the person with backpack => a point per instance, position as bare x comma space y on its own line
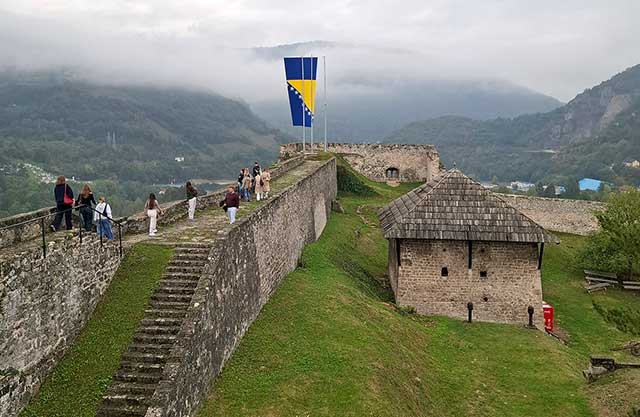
192, 195
101, 217
64, 203
153, 211
86, 201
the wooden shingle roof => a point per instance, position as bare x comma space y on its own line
452, 206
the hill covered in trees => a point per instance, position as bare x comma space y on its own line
596, 134
128, 136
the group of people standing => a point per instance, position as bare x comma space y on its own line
256, 181
99, 215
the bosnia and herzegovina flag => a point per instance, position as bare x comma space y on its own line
299, 75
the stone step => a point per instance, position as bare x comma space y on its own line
193, 245
132, 388
188, 256
169, 283
188, 263
164, 313
158, 329
115, 411
140, 357
169, 289
164, 349
161, 322
137, 377
194, 270
168, 305
171, 298
142, 367
125, 400
184, 276
154, 338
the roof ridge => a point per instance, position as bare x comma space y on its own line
442, 178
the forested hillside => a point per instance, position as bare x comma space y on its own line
130, 136
593, 135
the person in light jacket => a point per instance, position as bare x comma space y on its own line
64, 203
259, 186
266, 179
246, 186
192, 195
152, 210
101, 218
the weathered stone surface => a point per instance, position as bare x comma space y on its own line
512, 281
560, 215
246, 265
412, 163
44, 303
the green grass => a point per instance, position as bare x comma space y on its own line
74, 388
331, 343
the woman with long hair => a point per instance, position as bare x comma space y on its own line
152, 210
64, 203
85, 200
192, 195
245, 191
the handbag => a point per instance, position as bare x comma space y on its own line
66, 199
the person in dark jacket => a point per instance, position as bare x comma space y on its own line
86, 201
232, 202
64, 203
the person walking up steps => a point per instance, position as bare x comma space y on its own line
101, 217
152, 210
231, 202
192, 195
266, 179
85, 200
64, 202
259, 186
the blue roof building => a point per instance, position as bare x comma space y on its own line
589, 184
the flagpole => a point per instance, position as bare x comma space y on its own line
304, 145
312, 101
324, 73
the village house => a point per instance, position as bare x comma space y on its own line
452, 242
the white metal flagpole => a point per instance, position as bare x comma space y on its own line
304, 145
312, 99
324, 73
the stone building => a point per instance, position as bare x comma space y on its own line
451, 241
380, 162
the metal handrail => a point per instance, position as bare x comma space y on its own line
43, 227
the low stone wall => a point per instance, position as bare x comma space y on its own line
411, 163
560, 215
44, 303
246, 265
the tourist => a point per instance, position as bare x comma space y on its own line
86, 201
256, 169
240, 180
153, 211
192, 195
266, 179
246, 186
231, 203
101, 216
259, 186
64, 203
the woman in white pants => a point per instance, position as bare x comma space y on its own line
192, 195
152, 210
259, 186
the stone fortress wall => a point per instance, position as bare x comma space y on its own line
246, 265
380, 162
45, 301
559, 215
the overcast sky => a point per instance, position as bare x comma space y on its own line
555, 47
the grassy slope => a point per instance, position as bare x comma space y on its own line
330, 343
77, 383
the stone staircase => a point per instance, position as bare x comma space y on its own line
142, 364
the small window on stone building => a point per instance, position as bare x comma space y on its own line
392, 173
444, 272
483, 274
